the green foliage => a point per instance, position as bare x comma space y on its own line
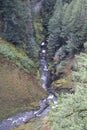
46, 14
18, 24
85, 46
32, 49
68, 25
14, 20
71, 111
80, 76
54, 28
16, 56
74, 23
38, 29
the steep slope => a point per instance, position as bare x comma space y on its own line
19, 90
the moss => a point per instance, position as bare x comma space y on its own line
64, 83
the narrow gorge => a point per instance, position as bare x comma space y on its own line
24, 117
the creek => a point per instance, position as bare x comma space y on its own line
23, 117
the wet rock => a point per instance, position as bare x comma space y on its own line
17, 120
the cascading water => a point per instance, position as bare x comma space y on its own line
44, 72
46, 80
24, 117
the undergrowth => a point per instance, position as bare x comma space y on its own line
16, 56
71, 112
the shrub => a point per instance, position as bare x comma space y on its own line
71, 112
16, 56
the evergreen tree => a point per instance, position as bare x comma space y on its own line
1, 24
54, 28
46, 13
18, 24
68, 25
71, 111
13, 21
73, 23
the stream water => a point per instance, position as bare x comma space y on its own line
23, 117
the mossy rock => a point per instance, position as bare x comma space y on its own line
63, 83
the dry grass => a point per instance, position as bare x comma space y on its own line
19, 90
35, 124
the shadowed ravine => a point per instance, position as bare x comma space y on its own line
24, 117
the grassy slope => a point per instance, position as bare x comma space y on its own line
76, 104
19, 90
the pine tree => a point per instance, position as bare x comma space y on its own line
68, 26
54, 29
46, 13
12, 20
18, 24
73, 23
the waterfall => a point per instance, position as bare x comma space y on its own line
44, 71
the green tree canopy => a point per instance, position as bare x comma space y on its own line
68, 25
71, 111
18, 24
